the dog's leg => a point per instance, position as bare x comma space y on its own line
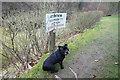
61, 65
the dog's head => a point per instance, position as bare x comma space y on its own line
64, 49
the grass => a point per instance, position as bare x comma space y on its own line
103, 30
110, 33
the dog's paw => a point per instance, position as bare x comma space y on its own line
62, 67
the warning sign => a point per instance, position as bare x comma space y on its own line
55, 21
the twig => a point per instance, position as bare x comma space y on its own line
73, 73
57, 77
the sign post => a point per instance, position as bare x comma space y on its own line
52, 41
54, 21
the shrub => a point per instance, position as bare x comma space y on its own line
80, 21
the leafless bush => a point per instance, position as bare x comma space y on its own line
24, 34
80, 21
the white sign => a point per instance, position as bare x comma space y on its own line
55, 21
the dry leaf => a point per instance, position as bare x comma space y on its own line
116, 63
93, 76
17, 74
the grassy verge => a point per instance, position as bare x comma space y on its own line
109, 38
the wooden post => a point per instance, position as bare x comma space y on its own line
52, 41
52, 38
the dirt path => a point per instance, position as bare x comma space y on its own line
98, 57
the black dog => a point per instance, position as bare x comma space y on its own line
56, 57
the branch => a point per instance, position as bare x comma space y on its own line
11, 61
9, 50
4, 56
73, 73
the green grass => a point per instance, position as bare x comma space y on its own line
103, 30
110, 33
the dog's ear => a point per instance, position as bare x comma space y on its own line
65, 45
59, 47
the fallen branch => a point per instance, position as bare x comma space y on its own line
73, 73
